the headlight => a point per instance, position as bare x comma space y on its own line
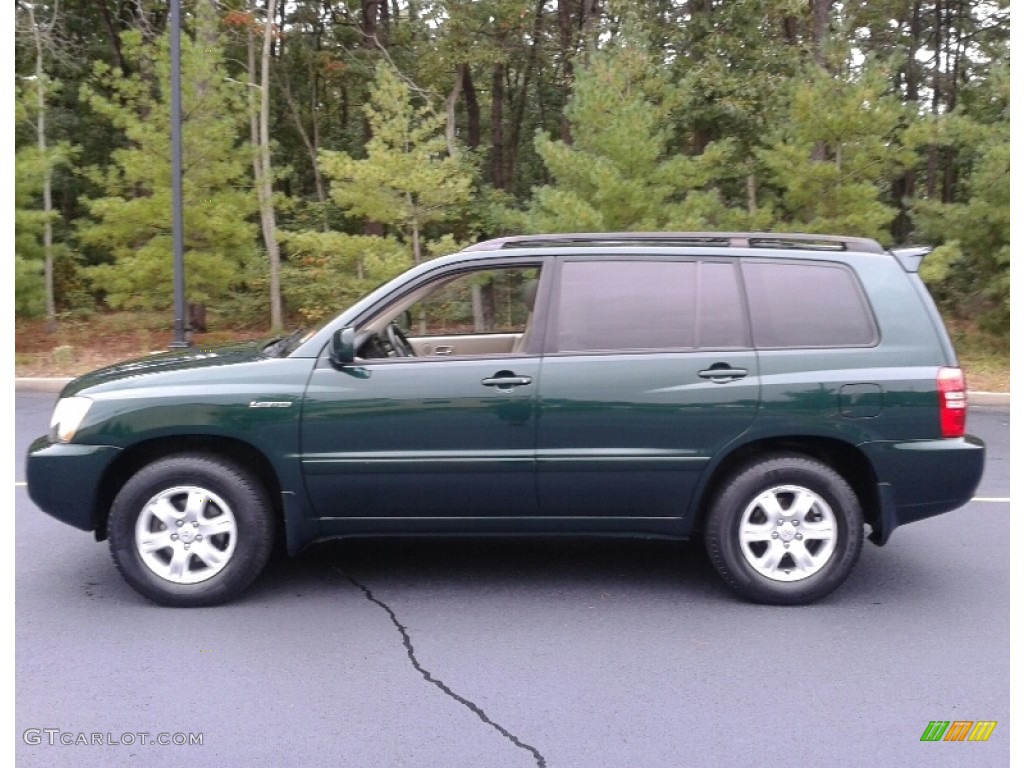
66, 417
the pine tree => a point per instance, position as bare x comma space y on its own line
972, 261
132, 221
620, 172
408, 179
833, 156
29, 221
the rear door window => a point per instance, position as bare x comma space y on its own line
647, 305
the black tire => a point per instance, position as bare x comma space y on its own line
158, 519
793, 564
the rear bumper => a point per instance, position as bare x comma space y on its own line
63, 479
923, 478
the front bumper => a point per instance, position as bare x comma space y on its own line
64, 479
923, 478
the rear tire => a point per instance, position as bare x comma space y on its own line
191, 530
785, 530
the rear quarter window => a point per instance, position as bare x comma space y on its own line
799, 304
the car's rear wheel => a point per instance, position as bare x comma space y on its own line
191, 530
785, 530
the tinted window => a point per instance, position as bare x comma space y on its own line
721, 321
634, 305
806, 305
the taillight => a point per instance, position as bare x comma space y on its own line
952, 402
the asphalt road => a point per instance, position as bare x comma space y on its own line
487, 654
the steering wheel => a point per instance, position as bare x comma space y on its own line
398, 342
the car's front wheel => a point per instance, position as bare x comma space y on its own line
191, 530
785, 530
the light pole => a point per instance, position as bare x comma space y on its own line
177, 224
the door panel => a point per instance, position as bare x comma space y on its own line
414, 438
629, 434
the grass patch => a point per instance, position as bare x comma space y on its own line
985, 358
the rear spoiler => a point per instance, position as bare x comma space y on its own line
911, 256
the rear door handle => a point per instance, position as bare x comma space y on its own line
722, 374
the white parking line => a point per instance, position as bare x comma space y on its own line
20, 485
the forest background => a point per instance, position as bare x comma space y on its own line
330, 144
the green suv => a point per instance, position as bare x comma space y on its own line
772, 393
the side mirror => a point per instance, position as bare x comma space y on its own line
343, 346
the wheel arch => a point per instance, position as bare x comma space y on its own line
846, 459
135, 457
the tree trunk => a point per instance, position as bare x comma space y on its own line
368, 23
472, 109
478, 308
932, 176
819, 30
483, 307
368, 29
904, 188
417, 256
519, 104
953, 25
449, 125
588, 25
565, 45
819, 39
791, 30
264, 181
311, 144
115, 40
41, 81
497, 127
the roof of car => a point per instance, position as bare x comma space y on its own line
774, 240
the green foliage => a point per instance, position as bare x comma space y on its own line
734, 69
619, 172
327, 271
973, 260
29, 290
683, 115
832, 159
132, 220
30, 169
407, 179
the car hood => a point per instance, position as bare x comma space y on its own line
177, 360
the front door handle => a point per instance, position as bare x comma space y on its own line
720, 373
506, 380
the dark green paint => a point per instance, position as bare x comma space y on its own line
589, 443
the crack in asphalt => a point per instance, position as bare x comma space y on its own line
411, 652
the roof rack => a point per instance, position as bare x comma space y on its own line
693, 239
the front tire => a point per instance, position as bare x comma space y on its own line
191, 530
785, 530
